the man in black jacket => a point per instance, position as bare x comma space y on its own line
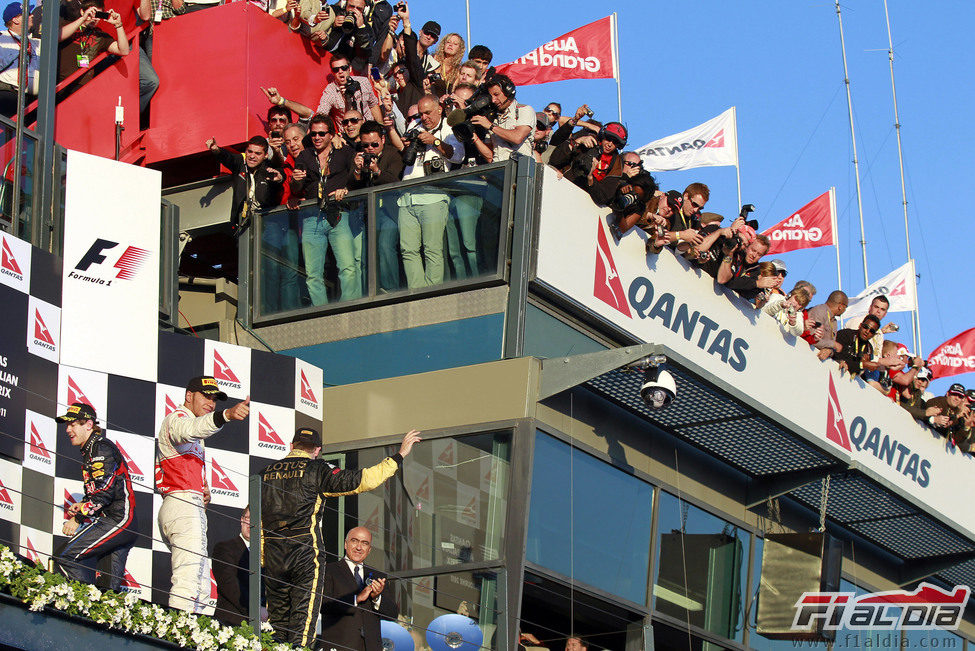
108, 504
293, 546
231, 562
356, 599
256, 184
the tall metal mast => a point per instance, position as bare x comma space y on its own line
915, 318
853, 138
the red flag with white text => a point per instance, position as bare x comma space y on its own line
588, 52
807, 228
955, 356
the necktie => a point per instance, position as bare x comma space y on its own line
358, 577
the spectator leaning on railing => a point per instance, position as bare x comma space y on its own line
256, 185
953, 405
825, 316
10, 59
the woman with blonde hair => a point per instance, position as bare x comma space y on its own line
450, 54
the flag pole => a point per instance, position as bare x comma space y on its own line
836, 239
616, 65
853, 138
915, 328
468, 4
734, 117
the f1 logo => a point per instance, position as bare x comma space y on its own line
94, 255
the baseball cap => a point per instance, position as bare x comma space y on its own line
957, 390
307, 436
432, 28
924, 373
12, 10
904, 350
207, 386
779, 266
77, 411
541, 121
971, 396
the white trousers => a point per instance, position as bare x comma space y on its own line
183, 524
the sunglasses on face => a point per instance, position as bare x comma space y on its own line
613, 139
629, 163
278, 119
320, 134
371, 145
341, 68
697, 206
870, 329
347, 121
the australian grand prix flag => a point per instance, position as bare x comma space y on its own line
711, 144
588, 52
955, 356
809, 227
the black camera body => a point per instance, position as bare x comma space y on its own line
435, 165
459, 119
351, 87
413, 149
399, 6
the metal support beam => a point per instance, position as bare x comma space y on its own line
254, 578
562, 373
48, 158
523, 212
921, 568
777, 485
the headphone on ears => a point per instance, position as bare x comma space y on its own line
505, 84
605, 129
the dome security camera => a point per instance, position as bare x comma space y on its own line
659, 388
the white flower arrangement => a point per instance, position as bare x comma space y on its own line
40, 589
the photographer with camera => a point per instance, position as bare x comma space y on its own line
586, 159
739, 269
321, 174
358, 32
683, 231
626, 194
512, 130
377, 162
423, 209
343, 93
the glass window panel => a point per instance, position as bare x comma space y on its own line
446, 507
700, 568
423, 599
10, 175
589, 520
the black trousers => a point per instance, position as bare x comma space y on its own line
103, 539
294, 572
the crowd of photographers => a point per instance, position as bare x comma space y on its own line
396, 109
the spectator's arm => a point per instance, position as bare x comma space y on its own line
515, 136
725, 271
121, 45
486, 152
413, 63
68, 29
277, 99
144, 11
561, 134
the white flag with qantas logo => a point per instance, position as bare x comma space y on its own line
711, 144
588, 52
898, 286
807, 228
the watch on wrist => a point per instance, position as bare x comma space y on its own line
437, 142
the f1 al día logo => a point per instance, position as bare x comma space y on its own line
91, 266
928, 607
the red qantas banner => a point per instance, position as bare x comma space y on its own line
807, 228
955, 356
584, 53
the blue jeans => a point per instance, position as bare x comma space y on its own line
279, 264
387, 243
423, 225
148, 80
462, 234
316, 236
357, 225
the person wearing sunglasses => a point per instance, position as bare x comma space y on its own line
586, 159
343, 93
351, 124
626, 193
856, 349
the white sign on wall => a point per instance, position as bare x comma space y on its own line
110, 280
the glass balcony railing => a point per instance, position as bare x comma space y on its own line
17, 220
425, 235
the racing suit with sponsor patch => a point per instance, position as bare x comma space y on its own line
110, 504
182, 518
292, 545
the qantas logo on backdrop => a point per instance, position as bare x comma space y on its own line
135, 472
31, 553
835, 425
129, 582
75, 394
68, 501
5, 501
608, 287
42, 336
128, 264
220, 483
8, 263
170, 406
717, 140
223, 372
307, 395
266, 436
37, 448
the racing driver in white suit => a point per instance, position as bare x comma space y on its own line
180, 478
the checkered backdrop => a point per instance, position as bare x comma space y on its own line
40, 472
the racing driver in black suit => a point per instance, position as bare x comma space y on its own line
108, 504
292, 545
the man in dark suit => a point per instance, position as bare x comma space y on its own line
230, 570
355, 599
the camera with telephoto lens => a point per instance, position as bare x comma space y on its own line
628, 202
460, 119
435, 165
413, 149
746, 234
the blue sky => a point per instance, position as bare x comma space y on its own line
780, 64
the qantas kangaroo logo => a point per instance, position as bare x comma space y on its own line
717, 141
37, 446
266, 433
220, 480
306, 391
41, 333
9, 262
75, 394
835, 425
222, 370
607, 286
